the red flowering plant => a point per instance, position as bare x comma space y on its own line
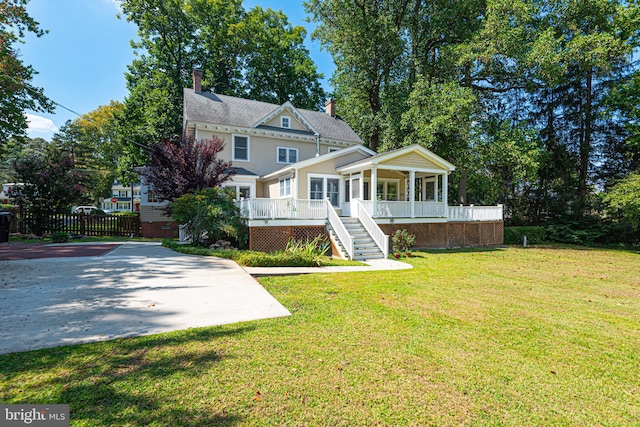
401, 241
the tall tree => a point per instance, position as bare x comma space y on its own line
185, 165
256, 54
287, 73
17, 93
365, 39
51, 185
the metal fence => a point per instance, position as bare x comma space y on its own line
86, 225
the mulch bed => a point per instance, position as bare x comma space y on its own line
20, 251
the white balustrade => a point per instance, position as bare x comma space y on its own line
378, 236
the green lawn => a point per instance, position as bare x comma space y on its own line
538, 336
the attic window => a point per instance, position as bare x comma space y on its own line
285, 122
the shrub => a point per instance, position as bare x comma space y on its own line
210, 215
59, 237
515, 235
401, 240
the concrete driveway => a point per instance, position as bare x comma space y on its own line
138, 288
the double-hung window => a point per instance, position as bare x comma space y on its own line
240, 148
287, 155
285, 187
325, 187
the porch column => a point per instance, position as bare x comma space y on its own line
373, 191
412, 192
445, 195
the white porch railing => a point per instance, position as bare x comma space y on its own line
378, 236
475, 213
317, 209
394, 209
283, 208
340, 229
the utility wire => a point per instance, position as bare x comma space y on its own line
35, 92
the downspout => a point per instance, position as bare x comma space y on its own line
317, 135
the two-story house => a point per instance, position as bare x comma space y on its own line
301, 173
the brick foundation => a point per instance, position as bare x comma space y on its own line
159, 230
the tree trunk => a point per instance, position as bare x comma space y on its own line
585, 144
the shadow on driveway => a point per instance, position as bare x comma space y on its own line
138, 288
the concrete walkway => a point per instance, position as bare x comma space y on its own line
373, 265
139, 288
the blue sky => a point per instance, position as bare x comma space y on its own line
82, 60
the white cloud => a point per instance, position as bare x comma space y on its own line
41, 124
115, 3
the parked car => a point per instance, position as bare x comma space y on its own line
87, 210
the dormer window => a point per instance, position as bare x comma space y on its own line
285, 122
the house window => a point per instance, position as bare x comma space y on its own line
325, 187
285, 122
240, 148
287, 155
387, 189
241, 190
285, 187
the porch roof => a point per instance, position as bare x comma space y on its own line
430, 159
319, 159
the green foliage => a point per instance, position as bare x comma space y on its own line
51, 185
623, 200
515, 235
210, 215
402, 240
59, 237
256, 53
17, 93
298, 254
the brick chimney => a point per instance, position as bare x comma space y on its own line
331, 107
197, 80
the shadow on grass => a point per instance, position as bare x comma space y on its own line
423, 252
121, 382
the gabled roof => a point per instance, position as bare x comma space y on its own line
322, 158
286, 106
389, 155
231, 111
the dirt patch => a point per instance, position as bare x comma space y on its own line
20, 251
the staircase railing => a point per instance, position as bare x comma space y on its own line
378, 236
340, 230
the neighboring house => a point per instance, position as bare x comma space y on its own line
5, 198
301, 173
120, 199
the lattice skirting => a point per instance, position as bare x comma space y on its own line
269, 239
451, 234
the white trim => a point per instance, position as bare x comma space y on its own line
324, 157
284, 222
237, 184
377, 160
288, 162
280, 181
324, 177
233, 148
268, 133
278, 110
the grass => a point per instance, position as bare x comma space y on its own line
537, 336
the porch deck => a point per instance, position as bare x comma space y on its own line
305, 209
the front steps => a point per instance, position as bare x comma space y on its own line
363, 245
